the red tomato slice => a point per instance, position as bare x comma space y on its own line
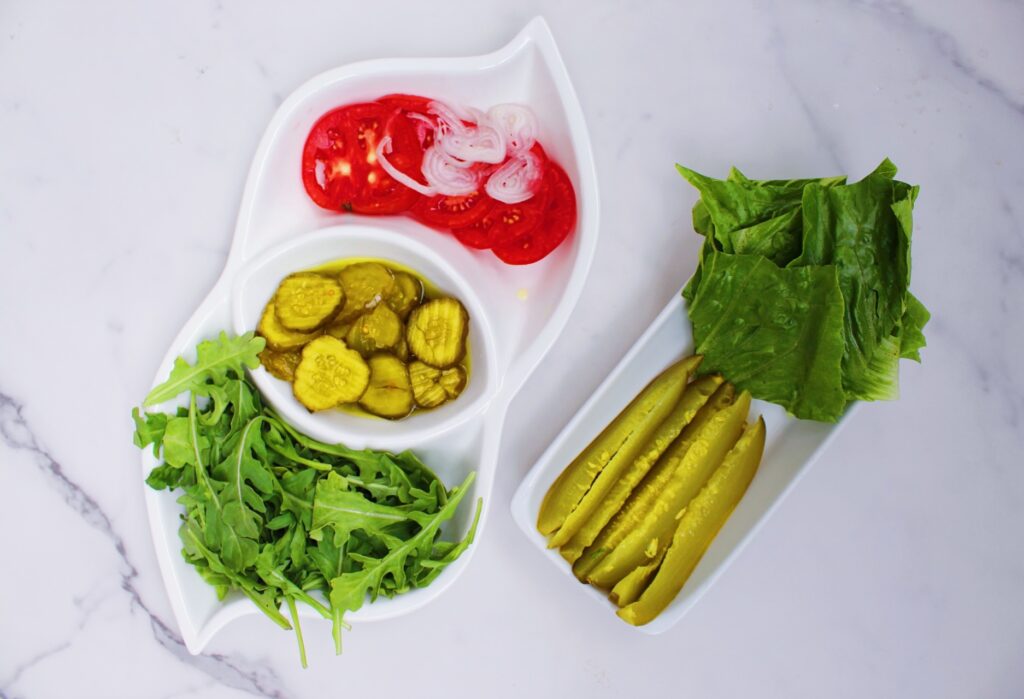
559, 219
452, 212
327, 171
340, 167
506, 222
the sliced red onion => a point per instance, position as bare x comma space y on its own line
385, 147
448, 176
517, 123
517, 180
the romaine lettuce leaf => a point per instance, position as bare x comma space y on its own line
775, 332
858, 233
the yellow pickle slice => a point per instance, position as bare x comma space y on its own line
280, 365
279, 337
329, 374
437, 332
380, 329
389, 394
365, 284
307, 300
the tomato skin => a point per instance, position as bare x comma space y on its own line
559, 219
406, 102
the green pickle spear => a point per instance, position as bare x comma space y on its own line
622, 438
654, 531
648, 434
694, 397
627, 590
699, 524
643, 496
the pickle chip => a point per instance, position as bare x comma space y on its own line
453, 380
329, 374
432, 386
437, 332
279, 337
389, 394
307, 300
401, 350
281, 364
380, 329
365, 284
405, 295
337, 328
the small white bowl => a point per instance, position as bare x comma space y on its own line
257, 280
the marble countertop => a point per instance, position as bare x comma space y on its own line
894, 568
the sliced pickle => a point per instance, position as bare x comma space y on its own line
432, 386
389, 394
405, 295
279, 337
307, 300
365, 285
453, 380
380, 329
698, 526
437, 332
329, 374
401, 350
337, 328
281, 364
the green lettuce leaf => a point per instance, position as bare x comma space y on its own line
775, 332
860, 233
915, 317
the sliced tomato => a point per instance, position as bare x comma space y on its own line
559, 219
504, 222
339, 164
327, 168
452, 212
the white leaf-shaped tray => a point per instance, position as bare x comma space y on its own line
516, 312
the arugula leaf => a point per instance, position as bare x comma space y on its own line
349, 590
257, 496
149, 429
215, 360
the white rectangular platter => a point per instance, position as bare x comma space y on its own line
792, 445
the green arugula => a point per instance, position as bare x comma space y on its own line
281, 517
802, 292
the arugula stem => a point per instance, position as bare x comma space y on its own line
336, 629
274, 614
298, 630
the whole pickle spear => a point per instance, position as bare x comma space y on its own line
643, 496
654, 531
694, 398
629, 430
649, 434
699, 525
